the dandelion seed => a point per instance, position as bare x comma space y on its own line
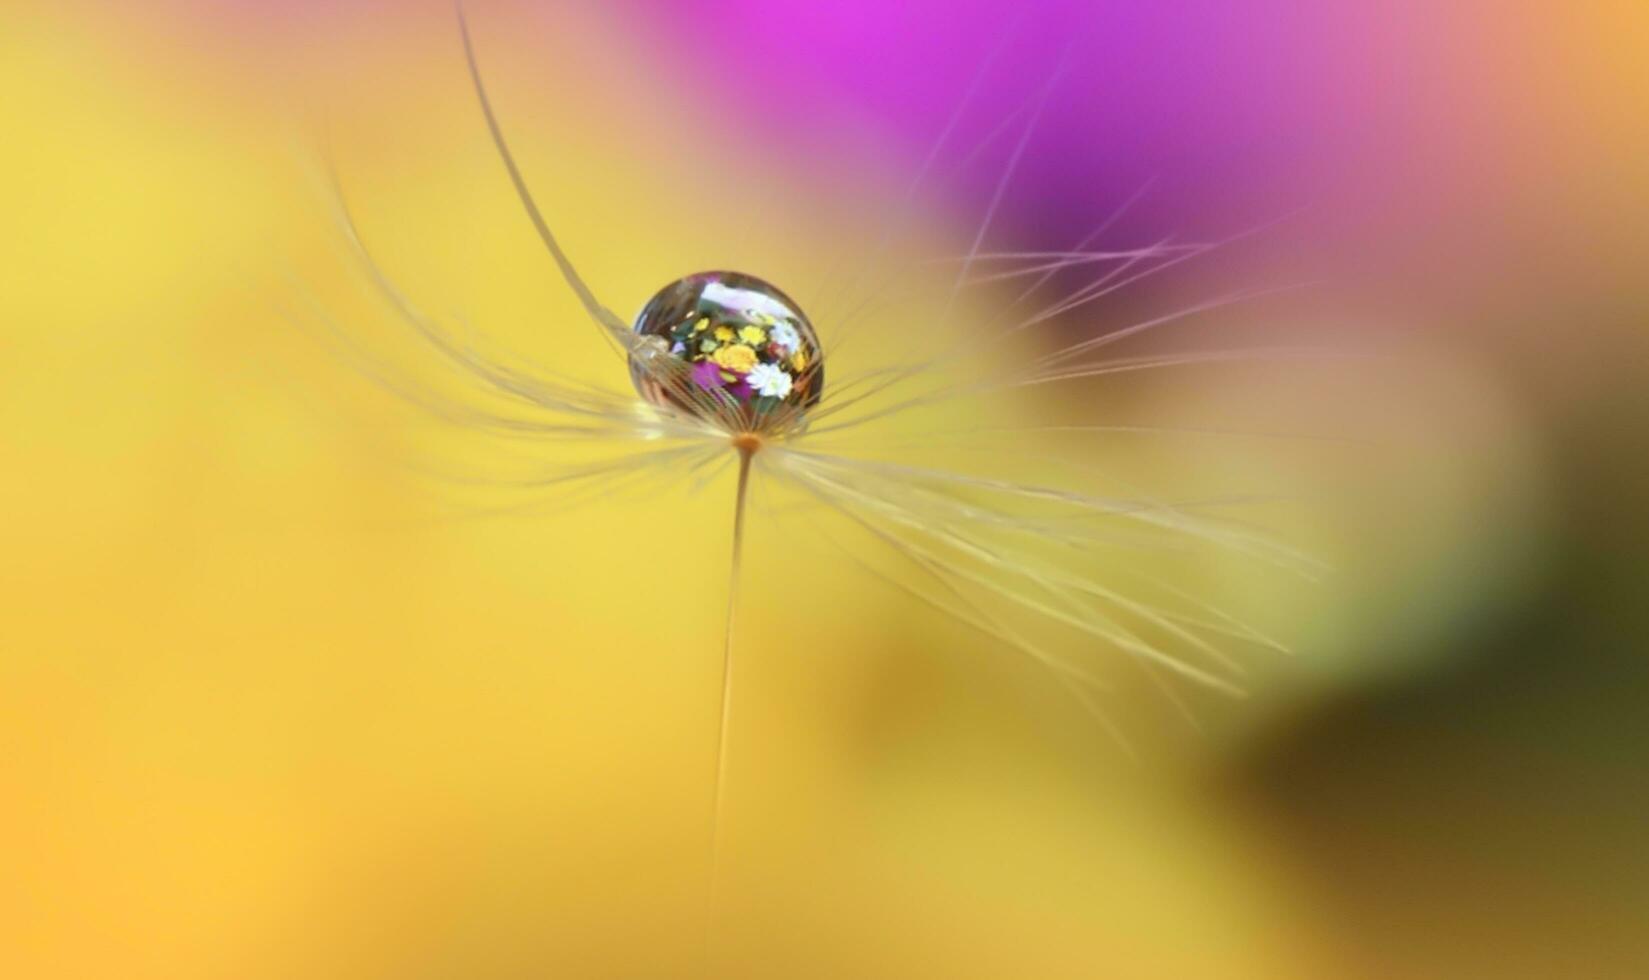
728, 368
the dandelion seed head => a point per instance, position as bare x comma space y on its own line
752, 356
975, 449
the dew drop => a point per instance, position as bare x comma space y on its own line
747, 353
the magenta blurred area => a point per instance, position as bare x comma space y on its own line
1257, 106
1443, 144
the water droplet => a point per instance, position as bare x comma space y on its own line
730, 348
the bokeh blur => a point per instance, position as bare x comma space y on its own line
273, 705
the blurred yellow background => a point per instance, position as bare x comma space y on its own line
274, 706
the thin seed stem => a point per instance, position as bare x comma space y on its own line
746, 454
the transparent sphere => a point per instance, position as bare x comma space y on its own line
748, 351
